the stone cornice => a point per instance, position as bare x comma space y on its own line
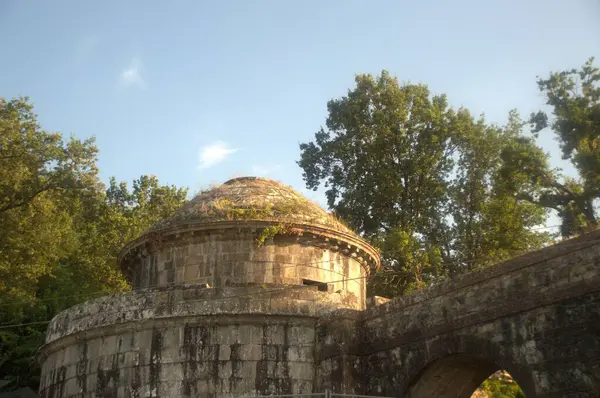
311, 234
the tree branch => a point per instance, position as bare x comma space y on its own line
530, 199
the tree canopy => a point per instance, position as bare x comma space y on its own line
573, 97
60, 231
420, 180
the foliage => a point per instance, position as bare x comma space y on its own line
33, 161
272, 231
384, 158
574, 97
228, 210
501, 386
60, 232
134, 212
418, 179
489, 223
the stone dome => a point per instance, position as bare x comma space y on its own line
248, 231
251, 199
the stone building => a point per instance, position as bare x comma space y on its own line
226, 296
250, 289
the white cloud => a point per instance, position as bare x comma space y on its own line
214, 153
264, 170
131, 76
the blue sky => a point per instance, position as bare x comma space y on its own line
197, 92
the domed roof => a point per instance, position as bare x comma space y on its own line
251, 199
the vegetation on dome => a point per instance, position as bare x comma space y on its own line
253, 199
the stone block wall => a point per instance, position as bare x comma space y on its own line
213, 313
339, 365
216, 357
537, 316
186, 342
232, 257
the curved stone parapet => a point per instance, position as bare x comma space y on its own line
187, 340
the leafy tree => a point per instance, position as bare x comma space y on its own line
146, 204
488, 223
384, 158
33, 161
574, 97
37, 169
39, 174
418, 180
60, 232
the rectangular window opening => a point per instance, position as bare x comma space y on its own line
321, 286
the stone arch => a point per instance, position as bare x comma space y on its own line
452, 365
454, 376
457, 364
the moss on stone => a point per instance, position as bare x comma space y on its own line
271, 232
252, 199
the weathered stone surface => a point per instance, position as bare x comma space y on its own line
219, 316
214, 351
266, 198
231, 257
214, 313
250, 231
537, 316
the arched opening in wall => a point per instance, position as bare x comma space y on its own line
464, 376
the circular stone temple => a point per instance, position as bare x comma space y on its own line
226, 295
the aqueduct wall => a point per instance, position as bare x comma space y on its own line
537, 316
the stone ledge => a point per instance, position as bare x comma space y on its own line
189, 301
